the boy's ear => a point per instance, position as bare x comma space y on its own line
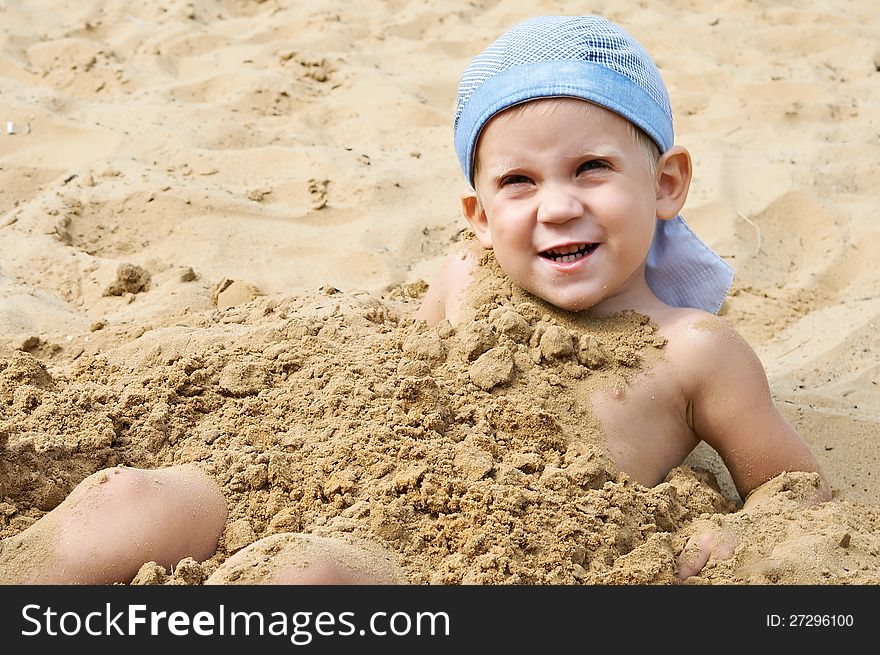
472, 210
673, 181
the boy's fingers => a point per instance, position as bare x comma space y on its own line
700, 548
694, 555
726, 546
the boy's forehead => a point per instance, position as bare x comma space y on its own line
547, 105
604, 125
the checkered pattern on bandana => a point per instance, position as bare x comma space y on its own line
563, 38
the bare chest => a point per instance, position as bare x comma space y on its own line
645, 424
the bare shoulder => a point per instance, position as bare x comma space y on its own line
699, 343
445, 292
729, 399
680, 321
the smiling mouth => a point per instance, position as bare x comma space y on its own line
568, 254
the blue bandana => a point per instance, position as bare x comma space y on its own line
590, 58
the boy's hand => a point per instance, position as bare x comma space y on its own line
710, 540
719, 536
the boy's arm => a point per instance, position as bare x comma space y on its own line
444, 296
732, 410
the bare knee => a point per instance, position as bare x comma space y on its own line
304, 559
178, 496
326, 573
124, 517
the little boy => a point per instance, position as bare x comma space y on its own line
564, 130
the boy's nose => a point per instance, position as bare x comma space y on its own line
558, 205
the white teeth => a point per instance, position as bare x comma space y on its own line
565, 250
567, 254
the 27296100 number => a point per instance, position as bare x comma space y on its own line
810, 621
820, 620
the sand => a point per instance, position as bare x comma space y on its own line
216, 219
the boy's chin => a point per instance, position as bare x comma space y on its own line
577, 304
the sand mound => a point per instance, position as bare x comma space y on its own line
470, 454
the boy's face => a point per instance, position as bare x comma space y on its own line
566, 198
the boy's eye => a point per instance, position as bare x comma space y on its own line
514, 179
593, 164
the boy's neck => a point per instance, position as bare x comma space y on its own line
637, 296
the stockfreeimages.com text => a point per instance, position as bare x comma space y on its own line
301, 627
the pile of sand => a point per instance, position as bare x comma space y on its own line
470, 453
